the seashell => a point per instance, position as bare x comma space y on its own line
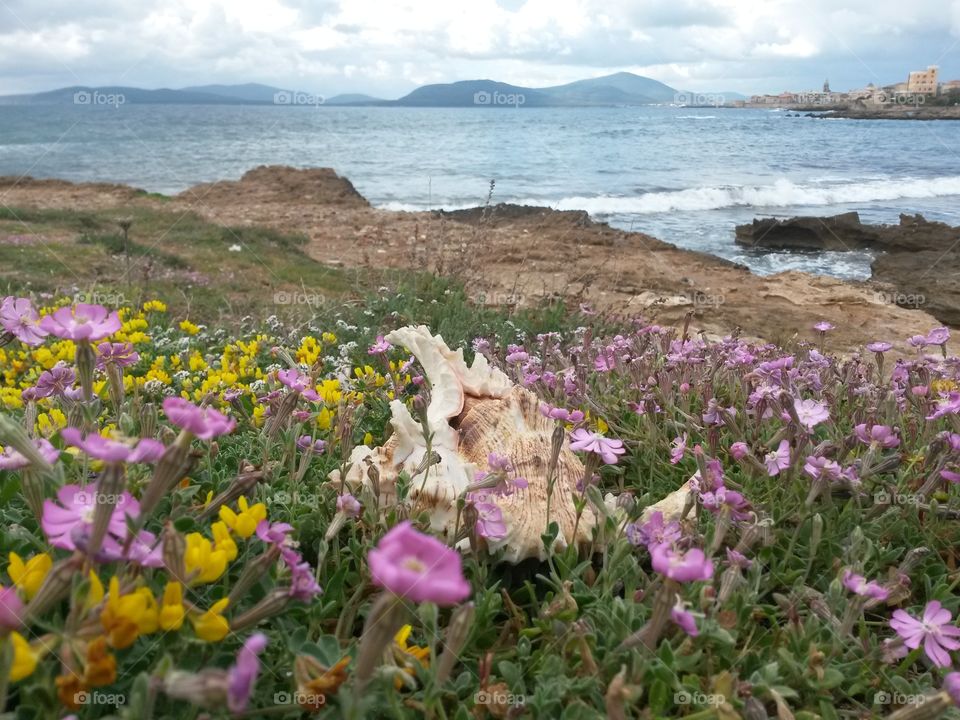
474, 411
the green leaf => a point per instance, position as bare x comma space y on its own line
660, 697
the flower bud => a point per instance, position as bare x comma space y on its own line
14, 435
175, 464
272, 604
148, 420
458, 631
86, 361
252, 573
174, 550
109, 488
385, 619
206, 689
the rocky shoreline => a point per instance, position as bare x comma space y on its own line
917, 261
517, 255
885, 112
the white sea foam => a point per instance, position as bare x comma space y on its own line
782, 193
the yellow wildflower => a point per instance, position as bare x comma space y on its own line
212, 626
126, 617
101, 666
172, 611
189, 328
52, 422
245, 522
154, 306
203, 563
222, 540
29, 575
24, 658
406, 655
95, 593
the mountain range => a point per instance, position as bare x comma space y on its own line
621, 88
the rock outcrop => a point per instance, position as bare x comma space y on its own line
519, 256
917, 263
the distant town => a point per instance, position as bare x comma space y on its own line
922, 87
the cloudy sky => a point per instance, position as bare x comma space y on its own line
388, 47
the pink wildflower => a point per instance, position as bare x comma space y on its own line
586, 441
417, 566
64, 521
681, 566
205, 423
18, 318
933, 630
811, 413
243, 675
778, 460
859, 585
81, 322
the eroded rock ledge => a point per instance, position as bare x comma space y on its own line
917, 263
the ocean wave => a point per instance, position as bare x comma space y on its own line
782, 193
696, 117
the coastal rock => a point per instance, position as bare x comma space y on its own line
917, 263
279, 183
846, 232
506, 213
839, 232
539, 254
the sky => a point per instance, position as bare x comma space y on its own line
388, 47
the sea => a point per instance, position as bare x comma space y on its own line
685, 175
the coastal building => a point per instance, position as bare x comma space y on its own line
924, 82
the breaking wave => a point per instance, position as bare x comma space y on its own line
782, 193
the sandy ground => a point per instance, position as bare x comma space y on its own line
509, 254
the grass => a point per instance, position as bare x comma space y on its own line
779, 633
175, 257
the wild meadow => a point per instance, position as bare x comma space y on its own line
173, 545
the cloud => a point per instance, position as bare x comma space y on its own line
388, 46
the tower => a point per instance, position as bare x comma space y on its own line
826, 86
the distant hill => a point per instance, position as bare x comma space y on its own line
353, 99
474, 92
248, 92
619, 89
119, 95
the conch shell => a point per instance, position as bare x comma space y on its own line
475, 411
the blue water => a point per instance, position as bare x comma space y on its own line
687, 176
